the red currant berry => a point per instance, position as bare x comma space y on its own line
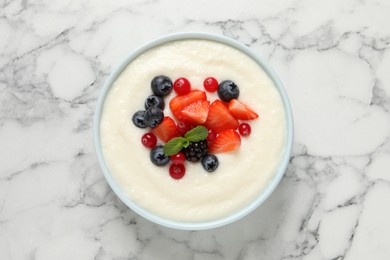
211, 136
178, 158
182, 128
210, 84
182, 86
244, 129
149, 140
177, 171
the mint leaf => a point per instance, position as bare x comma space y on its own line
175, 145
186, 143
197, 134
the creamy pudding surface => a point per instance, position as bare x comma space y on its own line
199, 195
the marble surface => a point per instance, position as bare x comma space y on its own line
334, 59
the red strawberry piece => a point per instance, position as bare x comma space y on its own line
166, 130
219, 117
179, 102
195, 113
227, 141
241, 111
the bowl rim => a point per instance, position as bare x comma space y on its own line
272, 183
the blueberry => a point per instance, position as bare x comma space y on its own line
158, 157
228, 90
210, 162
153, 116
161, 85
139, 119
154, 101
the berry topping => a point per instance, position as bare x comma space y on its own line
139, 119
154, 101
177, 171
203, 129
161, 85
178, 158
219, 118
195, 150
166, 130
197, 134
153, 116
228, 90
179, 102
149, 140
211, 136
175, 145
182, 86
158, 157
227, 141
244, 129
210, 84
183, 127
241, 111
210, 162
195, 113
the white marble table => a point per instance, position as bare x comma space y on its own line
334, 59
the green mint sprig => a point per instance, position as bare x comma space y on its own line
175, 145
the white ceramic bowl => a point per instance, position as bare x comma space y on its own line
270, 187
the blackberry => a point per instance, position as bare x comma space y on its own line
195, 151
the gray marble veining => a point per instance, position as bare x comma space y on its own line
334, 59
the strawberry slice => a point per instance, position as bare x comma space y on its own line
219, 117
241, 111
178, 103
166, 130
195, 113
227, 141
